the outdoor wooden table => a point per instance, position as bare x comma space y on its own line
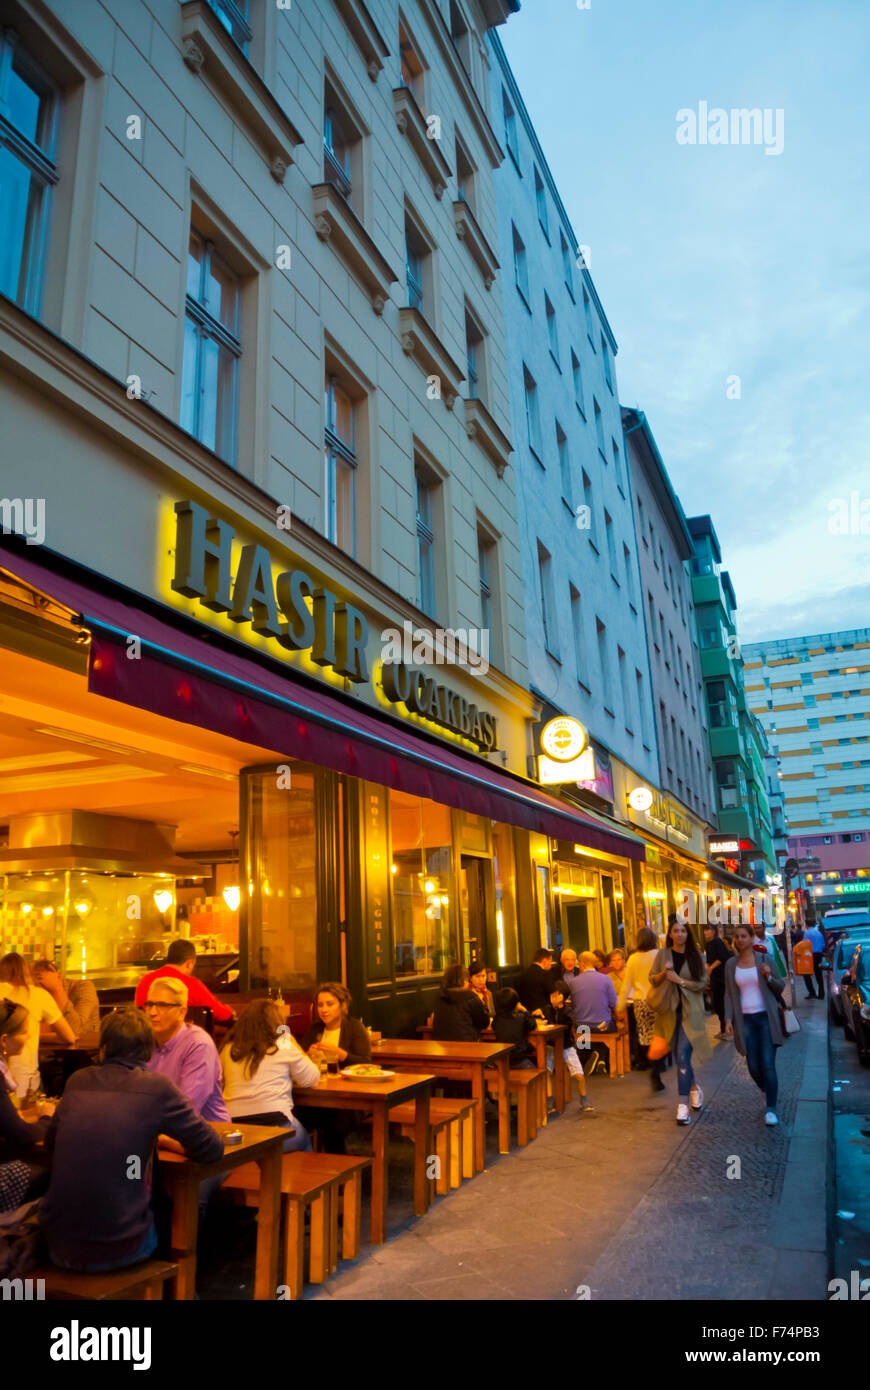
549, 1033
458, 1061
261, 1144
377, 1098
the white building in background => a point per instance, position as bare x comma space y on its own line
587, 650
812, 696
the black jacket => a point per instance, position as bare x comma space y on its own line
352, 1039
459, 1016
515, 1028
535, 986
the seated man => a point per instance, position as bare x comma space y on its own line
180, 965
184, 1052
593, 1001
97, 1213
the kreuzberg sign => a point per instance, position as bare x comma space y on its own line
334, 632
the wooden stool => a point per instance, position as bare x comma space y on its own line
451, 1122
347, 1169
617, 1047
530, 1088
303, 1188
143, 1280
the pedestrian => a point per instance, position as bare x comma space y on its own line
802, 956
816, 937
766, 944
752, 992
718, 955
679, 978
635, 988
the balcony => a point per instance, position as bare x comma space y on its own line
468, 232
735, 824
366, 34
206, 46
412, 123
420, 341
336, 222
716, 664
725, 743
480, 425
706, 589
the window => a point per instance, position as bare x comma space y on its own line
587, 310
541, 204
720, 703
233, 15
641, 705
461, 36
465, 176
605, 358
474, 353
589, 502
510, 129
629, 573
611, 543
622, 668
421, 840
809, 701
577, 631
727, 786
564, 464
485, 547
578, 383
341, 463
417, 264
552, 331
548, 612
425, 542
521, 274
604, 663
412, 68
533, 423
212, 349
812, 723
567, 265
652, 619
599, 428
336, 153
27, 172
617, 471
640, 523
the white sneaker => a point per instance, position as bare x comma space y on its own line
696, 1095
771, 1118
683, 1116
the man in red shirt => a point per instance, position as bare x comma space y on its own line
180, 962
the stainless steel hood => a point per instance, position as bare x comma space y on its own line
90, 840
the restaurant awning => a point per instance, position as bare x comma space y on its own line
200, 680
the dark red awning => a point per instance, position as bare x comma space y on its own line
195, 681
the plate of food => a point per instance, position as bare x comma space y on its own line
367, 1071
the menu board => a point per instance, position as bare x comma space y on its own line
377, 882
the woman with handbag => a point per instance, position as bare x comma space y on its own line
679, 977
752, 1004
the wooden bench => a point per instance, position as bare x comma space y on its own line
618, 1054
452, 1126
347, 1171
529, 1085
143, 1280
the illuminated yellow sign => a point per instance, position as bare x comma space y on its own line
563, 739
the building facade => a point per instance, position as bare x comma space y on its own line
812, 696
738, 746
263, 618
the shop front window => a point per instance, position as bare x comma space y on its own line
655, 897
421, 880
504, 867
281, 859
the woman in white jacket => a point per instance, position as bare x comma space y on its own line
635, 988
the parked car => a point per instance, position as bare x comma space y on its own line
855, 998
844, 919
841, 960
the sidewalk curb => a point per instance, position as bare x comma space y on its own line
799, 1228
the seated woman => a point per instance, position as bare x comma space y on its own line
260, 1061
512, 1024
16, 985
76, 999
19, 1182
459, 1015
558, 1010
333, 1028
477, 973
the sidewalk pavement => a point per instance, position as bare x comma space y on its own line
624, 1204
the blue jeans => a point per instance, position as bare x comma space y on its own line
299, 1141
682, 1050
761, 1056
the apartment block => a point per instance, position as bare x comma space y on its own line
812, 696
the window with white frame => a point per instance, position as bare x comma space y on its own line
465, 175
340, 467
541, 204
212, 349
510, 128
417, 254
28, 109
425, 486
548, 609
342, 160
474, 357
234, 15
521, 270
533, 422
552, 330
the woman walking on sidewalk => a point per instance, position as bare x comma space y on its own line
635, 988
752, 993
679, 978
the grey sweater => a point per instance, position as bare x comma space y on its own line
771, 990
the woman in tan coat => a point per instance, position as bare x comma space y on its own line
679, 977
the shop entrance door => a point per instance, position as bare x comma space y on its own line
475, 892
576, 930
610, 918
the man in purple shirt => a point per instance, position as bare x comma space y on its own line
593, 1000
184, 1052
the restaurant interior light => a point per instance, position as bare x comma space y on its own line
394, 868
164, 899
82, 908
26, 909
444, 898
232, 896
48, 912
429, 886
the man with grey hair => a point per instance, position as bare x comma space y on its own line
568, 961
184, 1052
